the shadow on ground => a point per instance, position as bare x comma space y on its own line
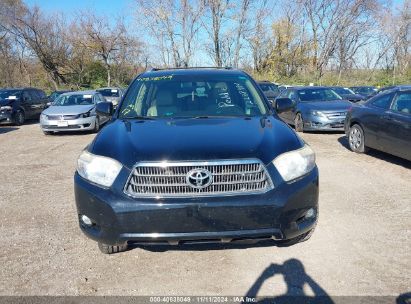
295, 277
7, 129
378, 154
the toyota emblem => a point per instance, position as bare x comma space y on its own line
199, 178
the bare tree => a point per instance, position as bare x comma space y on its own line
217, 13
44, 36
258, 36
242, 17
107, 43
174, 25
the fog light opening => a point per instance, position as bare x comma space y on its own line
86, 220
310, 213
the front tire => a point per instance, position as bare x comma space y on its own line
356, 139
19, 118
298, 123
110, 249
96, 125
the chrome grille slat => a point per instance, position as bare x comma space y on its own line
230, 177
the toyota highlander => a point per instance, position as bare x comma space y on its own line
195, 155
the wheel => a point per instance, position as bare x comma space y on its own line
47, 132
298, 123
356, 139
110, 249
96, 125
19, 118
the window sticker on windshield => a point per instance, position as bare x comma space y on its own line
12, 97
114, 91
87, 96
169, 77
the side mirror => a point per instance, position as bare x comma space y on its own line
104, 108
283, 104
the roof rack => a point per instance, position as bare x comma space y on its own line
187, 68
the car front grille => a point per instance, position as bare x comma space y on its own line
336, 115
171, 179
63, 117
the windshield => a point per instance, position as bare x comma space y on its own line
320, 94
365, 90
192, 96
74, 100
9, 94
109, 92
54, 95
268, 87
343, 91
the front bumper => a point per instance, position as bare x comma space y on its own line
80, 124
118, 218
317, 123
6, 117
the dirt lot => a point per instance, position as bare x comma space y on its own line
361, 245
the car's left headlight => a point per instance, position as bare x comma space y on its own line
98, 169
318, 113
294, 164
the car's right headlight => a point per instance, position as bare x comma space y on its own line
294, 164
98, 169
6, 108
43, 117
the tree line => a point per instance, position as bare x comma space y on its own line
298, 41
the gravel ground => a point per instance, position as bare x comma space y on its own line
361, 245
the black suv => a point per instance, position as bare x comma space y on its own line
195, 155
17, 105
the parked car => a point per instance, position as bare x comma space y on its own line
382, 123
112, 95
347, 94
284, 87
19, 104
365, 91
56, 94
383, 89
269, 89
195, 155
314, 109
73, 111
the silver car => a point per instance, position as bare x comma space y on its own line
73, 111
112, 95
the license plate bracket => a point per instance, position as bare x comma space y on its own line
62, 123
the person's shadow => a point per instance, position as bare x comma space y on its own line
295, 277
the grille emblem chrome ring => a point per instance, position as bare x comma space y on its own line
199, 178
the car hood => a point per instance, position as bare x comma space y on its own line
6, 102
270, 94
194, 139
352, 96
67, 110
333, 105
112, 98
